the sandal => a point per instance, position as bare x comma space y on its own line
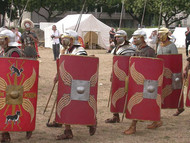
155, 124
92, 129
28, 134
67, 135
179, 111
5, 137
54, 124
114, 119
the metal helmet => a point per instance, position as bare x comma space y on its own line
27, 23
71, 34
120, 33
121, 36
11, 37
163, 34
138, 34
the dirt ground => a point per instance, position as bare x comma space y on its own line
174, 129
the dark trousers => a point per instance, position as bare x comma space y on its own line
56, 51
187, 43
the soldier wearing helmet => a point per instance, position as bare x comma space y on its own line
124, 48
143, 50
8, 44
165, 45
28, 39
10, 49
139, 38
71, 46
122, 45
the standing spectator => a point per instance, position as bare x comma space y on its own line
112, 46
153, 39
112, 34
55, 41
18, 35
172, 37
187, 40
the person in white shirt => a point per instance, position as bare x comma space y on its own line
172, 37
55, 42
153, 39
18, 35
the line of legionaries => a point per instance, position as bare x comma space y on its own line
142, 82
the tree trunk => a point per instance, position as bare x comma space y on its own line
0, 21
3, 20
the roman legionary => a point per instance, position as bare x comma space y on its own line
28, 39
167, 47
71, 46
143, 50
125, 49
10, 49
8, 44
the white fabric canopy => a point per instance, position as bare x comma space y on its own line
179, 34
88, 23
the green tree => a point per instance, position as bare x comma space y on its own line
4, 4
174, 10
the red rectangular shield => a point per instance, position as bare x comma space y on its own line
120, 74
172, 81
144, 89
77, 90
18, 94
188, 91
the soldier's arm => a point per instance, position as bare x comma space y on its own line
174, 50
34, 37
186, 68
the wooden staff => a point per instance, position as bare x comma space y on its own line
110, 95
181, 94
52, 110
124, 109
49, 97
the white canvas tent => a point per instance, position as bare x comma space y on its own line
91, 29
179, 34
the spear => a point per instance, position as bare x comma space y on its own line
49, 97
79, 19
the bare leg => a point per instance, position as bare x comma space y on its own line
114, 119
28, 134
67, 133
132, 128
155, 124
179, 111
5, 137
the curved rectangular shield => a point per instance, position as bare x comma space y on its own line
18, 94
144, 89
77, 90
172, 81
188, 91
120, 72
